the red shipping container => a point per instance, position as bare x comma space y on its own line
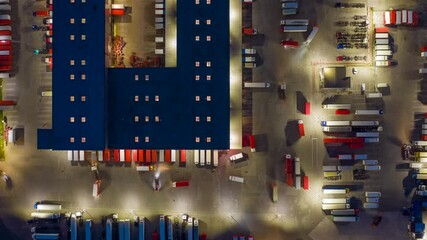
155, 236
415, 19
128, 155
5, 48
5, 22
148, 156
106, 156
342, 140
301, 128
5, 43
289, 166
41, 13
381, 30
141, 155
183, 156
5, 68
154, 156
181, 184
249, 31
7, 103
305, 182
6, 58
424, 137
117, 12
5, 32
290, 179
252, 143
356, 145
307, 108
289, 44
5, 63
135, 155
167, 155
116, 155
342, 112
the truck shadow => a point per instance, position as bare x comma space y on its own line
291, 132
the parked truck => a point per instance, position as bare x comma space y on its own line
256, 85
248, 51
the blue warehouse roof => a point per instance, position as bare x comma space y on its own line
186, 107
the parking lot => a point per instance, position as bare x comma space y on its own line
226, 208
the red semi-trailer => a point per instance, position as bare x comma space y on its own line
128, 157
181, 184
167, 155
252, 143
305, 184
289, 170
106, 156
183, 156
301, 128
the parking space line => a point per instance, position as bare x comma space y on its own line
314, 151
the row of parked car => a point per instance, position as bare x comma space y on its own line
289, 7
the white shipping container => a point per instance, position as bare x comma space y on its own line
236, 179
297, 166
208, 157
344, 212
256, 85
215, 157
374, 95
372, 167
380, 42
360, 156
329, 168
196, 156
346, 219
47, 206
421, 159
365, 123
416, 165
381, 35
345, 157
336, 106
419, 143
372, 140
370, 162
335, 206
404, 16
298, 182
373, 194
398, 17
161, 155
335, 123
369, 112
173, 155
383, 53
334, 200
100, 156
335, 190
383, 63
367, 134
371, 205
337, 129
122, 155
382, 58
202, 157
372, 200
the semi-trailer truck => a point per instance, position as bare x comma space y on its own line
256, 85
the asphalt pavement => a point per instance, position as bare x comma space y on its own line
223, 207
